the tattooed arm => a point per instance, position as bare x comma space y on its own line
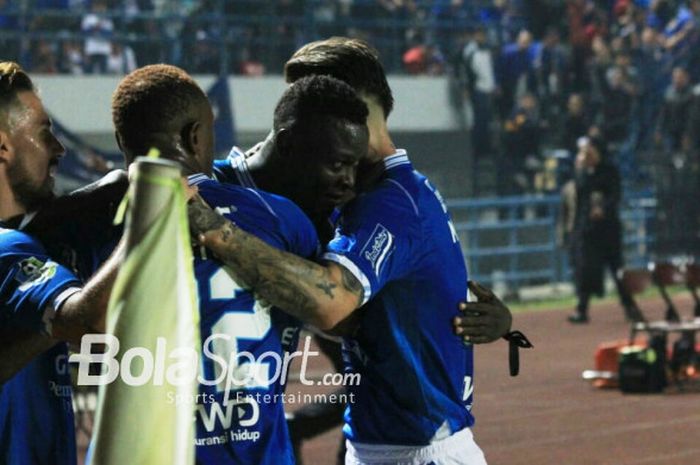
320, 294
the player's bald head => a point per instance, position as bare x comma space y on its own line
353, 61
153, 101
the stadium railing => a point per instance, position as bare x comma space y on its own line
263, 28
511, 242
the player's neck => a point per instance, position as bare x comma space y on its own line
9, 206
261, 166
380, 143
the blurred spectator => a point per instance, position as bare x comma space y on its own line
44, 58
205, 56
8, 24
616, 110
71, 61
424, 59
550, 71
287, 32
522, 146
598, 66
515, 72
98, 28
675, 112
121, 60
442, 15
653, 66
480, 86
691, 138
150, 50
575, 125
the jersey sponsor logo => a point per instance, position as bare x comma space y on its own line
60, 390
468, 391
34, 272
242, 409
378, 248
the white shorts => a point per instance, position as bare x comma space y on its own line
458, 449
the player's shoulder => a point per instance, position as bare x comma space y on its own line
13, 241
399, 193
279, 206
219, 194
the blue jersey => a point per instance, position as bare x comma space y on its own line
399, 242
233, 169
250, 428
36, 411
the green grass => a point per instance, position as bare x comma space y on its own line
569, 302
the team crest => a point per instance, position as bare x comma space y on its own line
33, 272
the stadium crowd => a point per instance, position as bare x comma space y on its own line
528, 76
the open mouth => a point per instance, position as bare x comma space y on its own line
53, 168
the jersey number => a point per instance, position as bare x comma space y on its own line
235, 325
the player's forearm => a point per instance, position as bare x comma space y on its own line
316, 294
81, 206
19, 348
84, 312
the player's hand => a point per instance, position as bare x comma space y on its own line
206, 225
485, 320
190, 191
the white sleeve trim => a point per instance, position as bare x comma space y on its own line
352, 268
53, 308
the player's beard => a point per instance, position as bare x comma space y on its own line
30, 196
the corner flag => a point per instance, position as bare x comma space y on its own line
145, 414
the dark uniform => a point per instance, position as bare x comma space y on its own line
596, 244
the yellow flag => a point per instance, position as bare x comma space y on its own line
145, 413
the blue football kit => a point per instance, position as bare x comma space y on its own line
235, 423
416, 375
36, 410
244, 422
234, 169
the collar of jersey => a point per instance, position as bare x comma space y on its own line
18, 222
197, 178
398, 158
238, 162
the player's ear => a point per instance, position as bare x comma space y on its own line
120, 143
283, 141
128, 155
5, 147
192, 137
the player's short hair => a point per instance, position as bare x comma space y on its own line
153, 99
313, 100
13, 80
353, 61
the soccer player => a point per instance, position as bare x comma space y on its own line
162, 106
396, 254
42, 304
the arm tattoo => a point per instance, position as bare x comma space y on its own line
327, 288
302, 288
203, 218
